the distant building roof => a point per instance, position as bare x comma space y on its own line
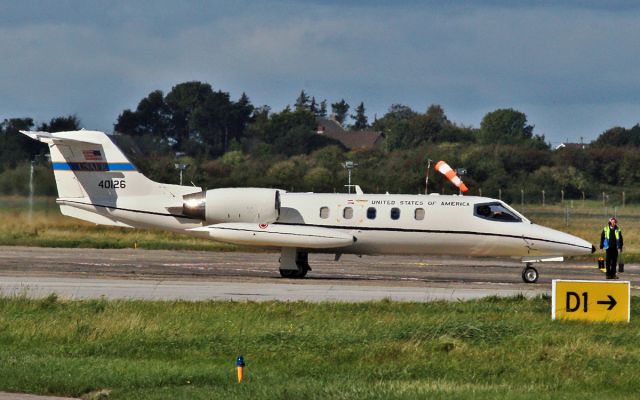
353, 140
571, 146
327, 126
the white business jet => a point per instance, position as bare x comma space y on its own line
97, 183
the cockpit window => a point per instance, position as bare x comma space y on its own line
495, 212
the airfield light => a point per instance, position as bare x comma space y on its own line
240, 368
349, 165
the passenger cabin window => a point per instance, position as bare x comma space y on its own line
395, 213
419, 214
324, 212
371, 213
495, 212
347, 213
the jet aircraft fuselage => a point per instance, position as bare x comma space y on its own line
97, 183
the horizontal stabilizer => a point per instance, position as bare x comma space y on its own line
91, 216
274, 235
82, 136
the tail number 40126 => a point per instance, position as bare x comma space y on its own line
112, 184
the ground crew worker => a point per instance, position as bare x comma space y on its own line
611, 241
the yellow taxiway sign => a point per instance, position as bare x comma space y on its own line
591, 300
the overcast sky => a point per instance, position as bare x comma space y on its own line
572, 67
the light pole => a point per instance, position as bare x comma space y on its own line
181, 167
31, 190
349, 165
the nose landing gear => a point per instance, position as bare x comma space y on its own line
529, 274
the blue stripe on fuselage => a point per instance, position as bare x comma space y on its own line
93, 166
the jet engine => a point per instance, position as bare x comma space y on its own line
233, 205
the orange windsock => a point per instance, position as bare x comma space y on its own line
446, 170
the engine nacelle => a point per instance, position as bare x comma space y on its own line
233, 205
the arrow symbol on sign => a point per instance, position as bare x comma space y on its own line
612, 302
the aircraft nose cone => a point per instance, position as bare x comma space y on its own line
553, 242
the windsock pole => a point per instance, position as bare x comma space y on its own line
447, 171
426, 179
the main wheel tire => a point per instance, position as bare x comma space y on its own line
302, 272
293, 273
288, 273
530, 275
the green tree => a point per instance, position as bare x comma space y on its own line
429, 126
232, 158
294, 133
505, 126
61, 124
257, 127
302, 102
191, 118
240, 114
319, 179
313, 106
184, 100
435, 114
619, 137
360, 119
323, 109
284, 173
340, 110
151, 117
399, 126
16, 147
330, 157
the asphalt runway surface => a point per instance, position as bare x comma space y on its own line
197, 275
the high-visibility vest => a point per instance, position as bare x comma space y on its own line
607, 233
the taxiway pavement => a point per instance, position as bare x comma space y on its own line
196, 275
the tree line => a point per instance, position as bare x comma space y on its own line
231, 142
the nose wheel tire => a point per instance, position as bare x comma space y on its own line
529, 274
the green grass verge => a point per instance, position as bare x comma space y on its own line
486, 349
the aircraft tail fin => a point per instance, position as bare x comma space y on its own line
87, 164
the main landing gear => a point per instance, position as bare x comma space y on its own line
529, 274
294, 264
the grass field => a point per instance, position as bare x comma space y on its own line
486, 349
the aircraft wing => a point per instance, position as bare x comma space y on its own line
275, 235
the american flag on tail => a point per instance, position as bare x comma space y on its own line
92, 155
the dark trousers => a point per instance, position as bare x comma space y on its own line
611, 262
